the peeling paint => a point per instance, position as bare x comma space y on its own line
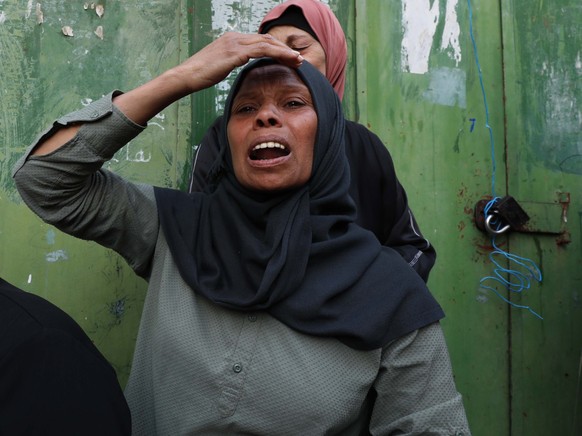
420, 19
419, 22
559, 140
447, 87
451, 32
481, 298
28, 12
39, 14
99, 32
240, 16
67, 30
99, 10
549, 69
50, 237
56, 256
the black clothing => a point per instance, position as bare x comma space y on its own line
297, 254
53, 380
381, 202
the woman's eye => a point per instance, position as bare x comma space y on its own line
244, 109
300, 49
295, 103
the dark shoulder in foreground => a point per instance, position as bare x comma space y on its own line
23, 314
53, 380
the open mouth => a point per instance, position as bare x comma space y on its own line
268, 150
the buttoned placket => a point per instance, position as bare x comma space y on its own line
237, 365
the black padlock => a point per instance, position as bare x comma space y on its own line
511, 212
503, 215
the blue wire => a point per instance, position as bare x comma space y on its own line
523, 278
491, 139
518, 280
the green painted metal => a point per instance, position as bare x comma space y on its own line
543, 70
519, 375
413, 80
44, 74
422, 106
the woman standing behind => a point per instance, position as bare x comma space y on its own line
312, 29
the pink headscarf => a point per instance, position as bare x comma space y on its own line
329, 32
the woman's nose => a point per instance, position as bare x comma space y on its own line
268, 116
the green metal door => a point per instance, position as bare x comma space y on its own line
543, 86
419, 87
414, 78
57, 56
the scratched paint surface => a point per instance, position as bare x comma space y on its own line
550, 43
426, 104
420, 20
417, 89
45, 74
543, 75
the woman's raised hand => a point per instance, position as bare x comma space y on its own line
202, 70
214, 62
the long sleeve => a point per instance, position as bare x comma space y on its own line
415, 389
69, 189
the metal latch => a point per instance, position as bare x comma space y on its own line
508, 215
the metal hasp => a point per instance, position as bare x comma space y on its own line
509, 215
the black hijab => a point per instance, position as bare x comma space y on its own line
296, 254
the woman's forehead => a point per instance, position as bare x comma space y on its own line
271, 76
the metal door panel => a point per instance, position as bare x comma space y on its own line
542, 69
418, 89
45, 74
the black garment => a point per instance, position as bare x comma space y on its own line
381, 202
53, 380
297, 254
